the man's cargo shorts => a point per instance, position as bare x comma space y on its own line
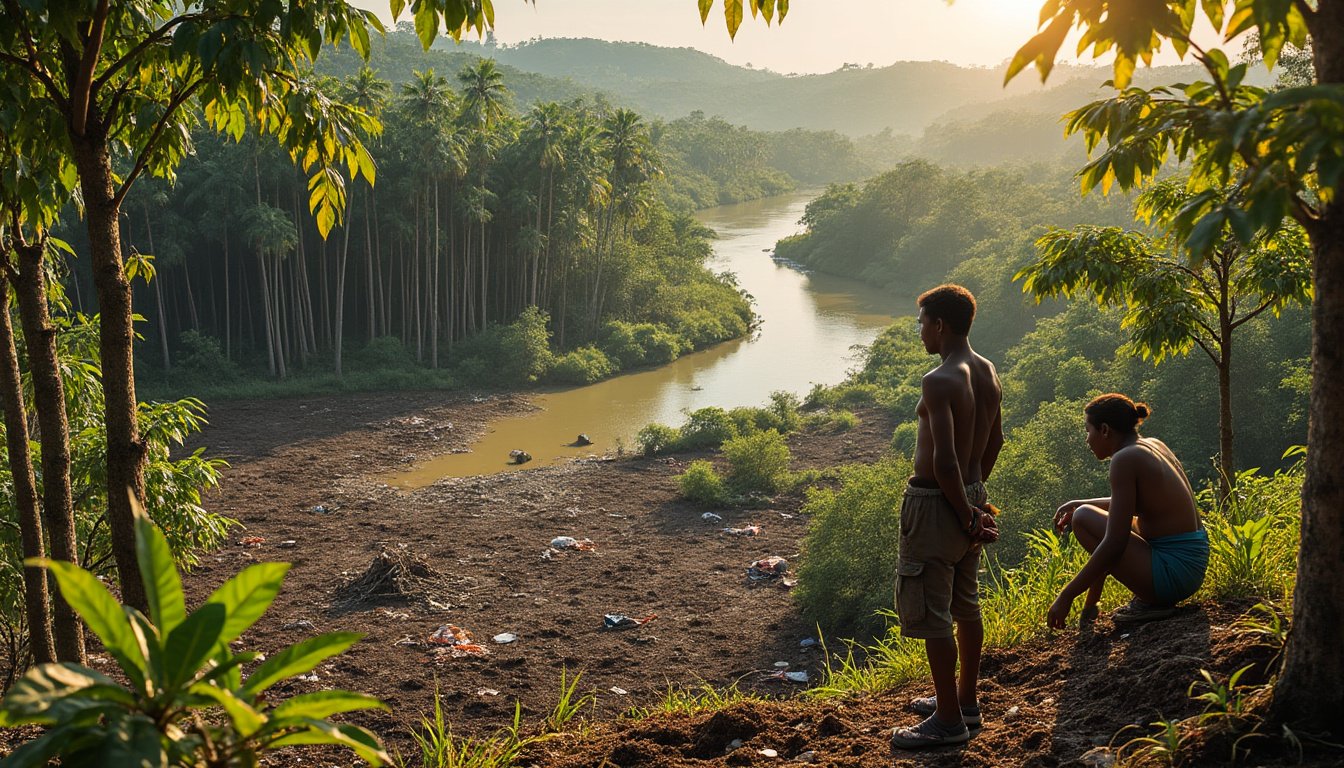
937, 563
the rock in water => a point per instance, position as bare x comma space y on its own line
520, 457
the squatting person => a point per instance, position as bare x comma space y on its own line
1147, 533
942, 524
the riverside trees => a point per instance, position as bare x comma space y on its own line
1256, 158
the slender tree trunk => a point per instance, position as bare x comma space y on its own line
228, 336
1227, 460
434, 287
371, 291
338, 326
266, 317
125, 450
35, 594
158, 297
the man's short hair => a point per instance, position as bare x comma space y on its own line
950, 303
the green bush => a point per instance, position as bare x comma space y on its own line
701, 483
904, 436
657, 438
848, 565
1253, 536
635, 344
507, 355
584, 365
200, 357
187, 703
843, 421
706, 428
758, 463
385, 353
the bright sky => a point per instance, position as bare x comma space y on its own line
817, 36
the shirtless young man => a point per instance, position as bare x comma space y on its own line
942, 525
1146, 534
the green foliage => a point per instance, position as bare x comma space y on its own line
584, 365
201, 357
179, 667
385, 353
706, 428
1253, 536
508, 354
702, 484
849, 554
636, 344
689, 700
654, 439
758, 463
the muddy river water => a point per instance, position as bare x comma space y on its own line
810, 324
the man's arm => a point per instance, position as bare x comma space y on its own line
946, 468
993, 446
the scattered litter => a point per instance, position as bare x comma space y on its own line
407, 640
311, 677
288, 544
569, 542
456, 641
504, 638
546, 554
486, 692
786, 516
251, 541
621, 621
619, 691
1125, 636
781, 665
711, 517
790, 583
300, 624
519, 457
320, 510
400, 616
616, 515
792, 677
750, 530
809, 642
768, 568
767, 752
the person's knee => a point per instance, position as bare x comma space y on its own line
1089, 525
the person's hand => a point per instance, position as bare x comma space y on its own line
1064, 516
989, 529
1059, 612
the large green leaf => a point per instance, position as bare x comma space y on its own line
38, 752
163, 588
188, 646
100, 611
133, 742
32, 697
150, 644
364, 743
324, 704
245, 719
296, 660
246, 597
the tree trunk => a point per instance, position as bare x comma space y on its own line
158, 298
1308, 695
338, 326
125, 450
25, 487
370, 292
1227, 463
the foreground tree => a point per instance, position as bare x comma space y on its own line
1170, 304
1278, 155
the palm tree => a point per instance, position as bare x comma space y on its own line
545, 133
368, 92
483, 107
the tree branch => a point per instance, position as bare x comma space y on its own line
1215, 358
1242, 320
81, 91
1308, 14
150, 144
32, 62
151, 39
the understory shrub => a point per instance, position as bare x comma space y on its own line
635, 344
706, 428
385, 353
653, 439
1254, 534
848, 566
584, 365
758, 463
509, 355
701, 483
202, 358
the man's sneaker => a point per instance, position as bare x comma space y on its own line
1137, 612
930, 733
926, 705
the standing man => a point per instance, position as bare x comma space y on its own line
942, 523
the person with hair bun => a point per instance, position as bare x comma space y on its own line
1147, 533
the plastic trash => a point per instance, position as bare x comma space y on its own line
793, 677
619, 691
767, 752
320, 510
750, 530
621, 621
288, 544
809, 642
781, 665
504, 638
486, 692
300, 624
251, 541
456, 641
768, 568
569, 542
711, 517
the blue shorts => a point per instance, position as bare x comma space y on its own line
1179, 563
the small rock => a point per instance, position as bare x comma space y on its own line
734, 744
504, 638
712, 517
1100, 757
809, 642
806, 757
1011, 713
767, 752
619, 691
486, 692
288, 544
300, 624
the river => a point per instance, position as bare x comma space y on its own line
810, 324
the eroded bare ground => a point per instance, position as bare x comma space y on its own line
399, 565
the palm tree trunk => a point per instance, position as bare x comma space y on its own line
158, 297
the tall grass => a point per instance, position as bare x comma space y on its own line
1253, 536
704, 697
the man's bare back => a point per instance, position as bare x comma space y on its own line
969, 386
1164, 501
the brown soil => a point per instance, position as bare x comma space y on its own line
398, 565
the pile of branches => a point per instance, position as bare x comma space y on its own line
396, 575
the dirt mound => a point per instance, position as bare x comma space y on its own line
397, 576
1046, 704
